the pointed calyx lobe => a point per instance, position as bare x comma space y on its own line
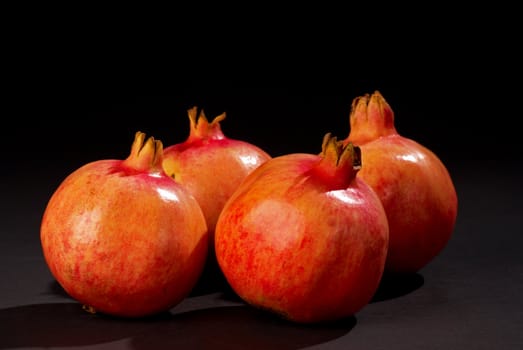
371, 117
146, 155
201, 129
339, 163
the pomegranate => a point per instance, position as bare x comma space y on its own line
211, 165
412, 183
303, 237
123, 238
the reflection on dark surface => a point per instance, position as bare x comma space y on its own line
227, 327
397, 285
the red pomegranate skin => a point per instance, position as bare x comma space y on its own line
123, 238
413, 184
303, 238
211, 165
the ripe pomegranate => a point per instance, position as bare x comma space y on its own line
413, 184
211, 165
304, 237
123, 238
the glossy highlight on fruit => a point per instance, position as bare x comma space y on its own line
304, 237
210, 164
413, 184
122, 238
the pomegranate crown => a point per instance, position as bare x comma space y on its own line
145, 154
370, 118
339, 163
201, 128
341, 153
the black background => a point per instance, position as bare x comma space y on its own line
69, 101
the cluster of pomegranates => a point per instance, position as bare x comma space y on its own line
305, 236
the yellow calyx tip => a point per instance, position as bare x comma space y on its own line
340, 153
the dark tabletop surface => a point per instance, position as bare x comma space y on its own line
469, 297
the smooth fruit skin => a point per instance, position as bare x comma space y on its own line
306, 248
211, 165
413, 184
123, 238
